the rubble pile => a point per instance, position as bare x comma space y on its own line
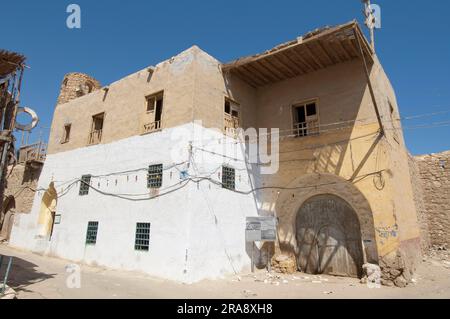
284, 264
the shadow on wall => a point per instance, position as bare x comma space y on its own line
31, 174
292, 202
23, 274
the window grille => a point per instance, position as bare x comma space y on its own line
142, 240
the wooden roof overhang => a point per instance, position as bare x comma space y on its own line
314, 51
9, 62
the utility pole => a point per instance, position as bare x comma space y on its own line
12, 66
373, 20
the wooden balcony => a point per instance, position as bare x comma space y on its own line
33, 153
309, 128
231, 125
95, 137
152, 127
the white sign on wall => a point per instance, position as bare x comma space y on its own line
261, 229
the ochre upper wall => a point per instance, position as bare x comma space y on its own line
195, 89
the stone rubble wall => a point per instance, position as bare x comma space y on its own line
76, 85
21, 184
419, 200
434, 180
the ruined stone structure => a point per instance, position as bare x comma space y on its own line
76, 85
150, 174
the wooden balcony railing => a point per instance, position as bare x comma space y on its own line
152, 127
309, 128
95, 137
231, 124
33, 153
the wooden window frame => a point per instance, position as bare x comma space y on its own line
311, 126
96, 136
153, 125
230, 122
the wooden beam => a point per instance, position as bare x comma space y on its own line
245, 78
271, 70
302, 60
292, 61
258, 71
352, 47
329, 32
261, 78
320, 46
344, 50
331, 48
316, 60
284, 66
268, 74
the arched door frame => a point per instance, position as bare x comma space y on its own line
306, 186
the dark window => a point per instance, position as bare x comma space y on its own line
301, 118
155, 176
91, 234
95, 136
90, 87
306, 119
228, 177
97, 120
311, 109
227, 107
85, 184
66, 136
142, 240
150, 103
159, 109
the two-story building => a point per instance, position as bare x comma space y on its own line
139, 173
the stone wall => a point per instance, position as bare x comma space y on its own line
435, 183
21, 185
419, 201
19, 195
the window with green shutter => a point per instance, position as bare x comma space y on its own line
91, 234
155, 176
85, 184
142, 240
228, 177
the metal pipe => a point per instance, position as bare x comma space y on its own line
7, 274
369, 81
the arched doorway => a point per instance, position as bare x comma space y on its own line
7, 218
47, 212
328, 237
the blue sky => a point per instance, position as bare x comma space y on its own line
120, 37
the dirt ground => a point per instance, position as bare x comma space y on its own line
35, 276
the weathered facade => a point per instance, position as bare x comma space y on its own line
148, 155
434, 185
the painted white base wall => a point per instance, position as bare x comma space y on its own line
197, 232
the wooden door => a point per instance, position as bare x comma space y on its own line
329, 237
